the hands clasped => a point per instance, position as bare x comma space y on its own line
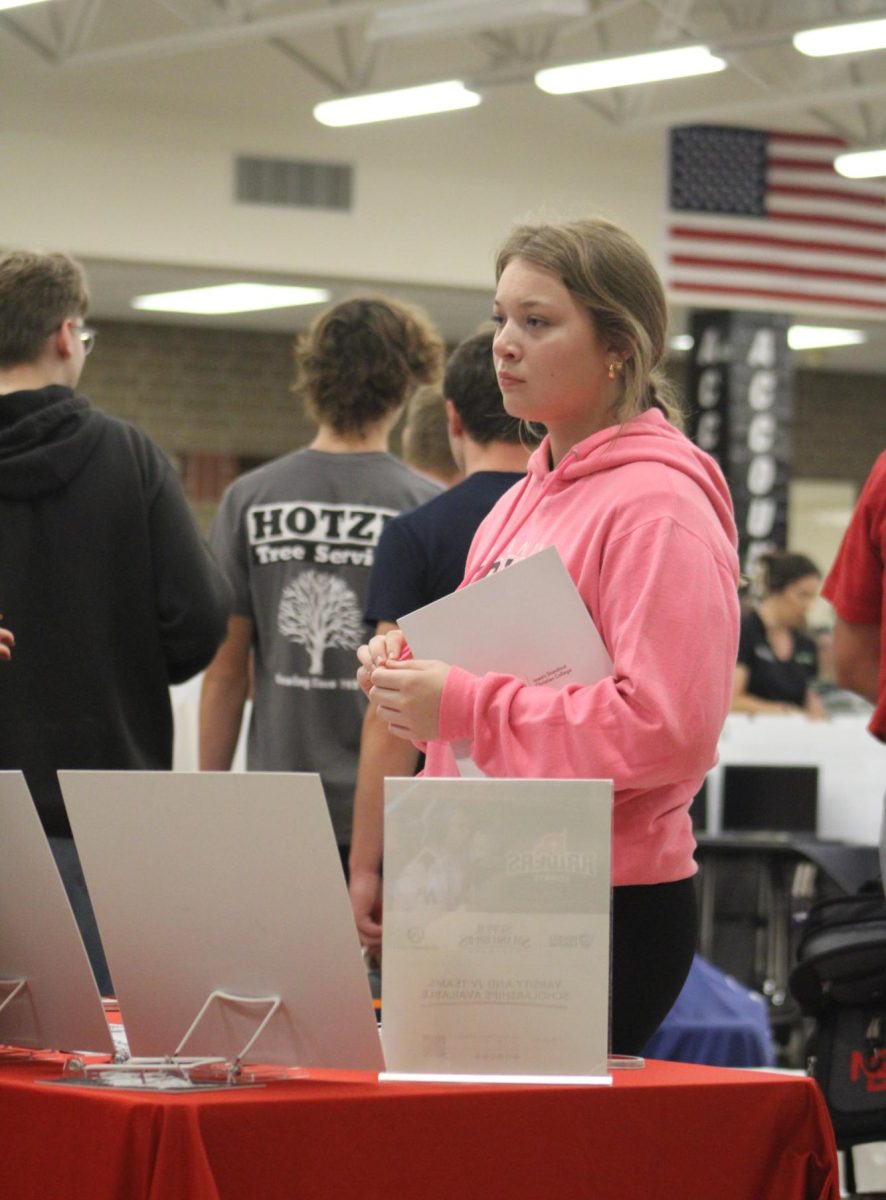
406, 692
7, 641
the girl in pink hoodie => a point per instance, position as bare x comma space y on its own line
643, 521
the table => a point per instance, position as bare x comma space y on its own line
852, 764
671, 1130
851, 767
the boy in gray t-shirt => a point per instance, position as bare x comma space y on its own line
296, 539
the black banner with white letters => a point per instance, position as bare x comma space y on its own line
741, 410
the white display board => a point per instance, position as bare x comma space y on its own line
59, 1007
217, 881
496, 928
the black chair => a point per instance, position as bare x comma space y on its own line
758, 879
839, 981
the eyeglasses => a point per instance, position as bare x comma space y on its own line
86, 336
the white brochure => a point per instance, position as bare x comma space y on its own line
527, 620
496, 929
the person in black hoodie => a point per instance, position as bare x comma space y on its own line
104, 576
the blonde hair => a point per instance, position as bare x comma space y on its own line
425, 435
612, 277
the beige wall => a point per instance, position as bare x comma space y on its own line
432, 199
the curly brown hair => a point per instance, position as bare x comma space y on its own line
362, 359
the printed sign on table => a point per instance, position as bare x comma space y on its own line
496, 927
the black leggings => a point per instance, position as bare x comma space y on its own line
654, 931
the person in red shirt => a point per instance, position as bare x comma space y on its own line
856, 587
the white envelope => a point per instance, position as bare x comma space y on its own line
527, 620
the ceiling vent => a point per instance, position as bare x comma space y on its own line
294, 183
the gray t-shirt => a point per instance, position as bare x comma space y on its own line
297, 538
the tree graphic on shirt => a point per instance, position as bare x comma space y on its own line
318, 610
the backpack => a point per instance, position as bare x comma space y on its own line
840, 981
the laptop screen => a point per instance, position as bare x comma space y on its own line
768, 798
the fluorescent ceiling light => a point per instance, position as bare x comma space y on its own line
465, 16
842, 39
19, 3
819, 337
861, 164
800, 337
391, 106
230, 298
637, 68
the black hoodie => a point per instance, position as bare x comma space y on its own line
107, 586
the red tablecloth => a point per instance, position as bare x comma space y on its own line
672, 1131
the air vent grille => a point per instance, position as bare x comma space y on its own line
293, 183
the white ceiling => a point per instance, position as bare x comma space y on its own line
326, 44
178, 55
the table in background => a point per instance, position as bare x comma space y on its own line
851, 767
668, 1131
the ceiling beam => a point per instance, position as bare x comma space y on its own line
80, 25
218, 35
47, 53
313, 68
811, 98
248, 28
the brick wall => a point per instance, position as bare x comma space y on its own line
839, 425
199, 390
218, 401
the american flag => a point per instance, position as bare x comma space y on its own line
760, 219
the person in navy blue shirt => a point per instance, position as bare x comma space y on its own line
420, 558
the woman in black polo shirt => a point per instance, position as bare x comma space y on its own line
777, 662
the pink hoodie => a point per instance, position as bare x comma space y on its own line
643, 521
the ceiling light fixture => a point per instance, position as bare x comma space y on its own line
800, 337
821, 337
392, 106
861, 164
18, 3
230, 298
636, 68
841, 39
465, 16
